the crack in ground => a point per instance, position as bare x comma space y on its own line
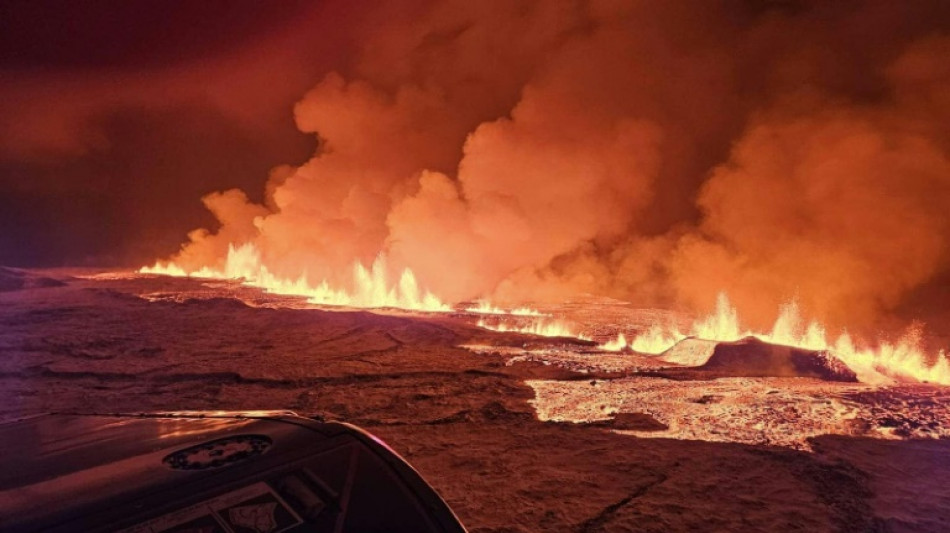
349, 332
841, 487
596, 523
380, 351
393, 338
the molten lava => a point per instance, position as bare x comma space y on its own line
486, 308
903, 360
544, 328
371, 287
615, 345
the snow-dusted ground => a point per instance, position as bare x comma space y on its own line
517, 433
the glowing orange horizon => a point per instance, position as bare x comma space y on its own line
902, 360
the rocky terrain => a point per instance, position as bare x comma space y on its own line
518, 433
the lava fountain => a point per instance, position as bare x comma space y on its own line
587, 165
371, 286
885, 362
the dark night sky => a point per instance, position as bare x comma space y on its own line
116, 117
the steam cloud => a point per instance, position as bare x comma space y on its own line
655, 151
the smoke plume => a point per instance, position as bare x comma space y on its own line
659, 152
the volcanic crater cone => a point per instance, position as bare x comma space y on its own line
752, 357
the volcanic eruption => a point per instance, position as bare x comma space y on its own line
658, 154
610, 262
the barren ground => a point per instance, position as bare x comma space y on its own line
518, 434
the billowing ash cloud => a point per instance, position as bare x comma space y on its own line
655, 151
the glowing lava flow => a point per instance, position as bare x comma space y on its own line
544, 328
901, 360
615, 345
656, 340
371, 286
486, 308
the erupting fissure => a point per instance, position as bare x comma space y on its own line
486, 308
544, 328
901, 360
371, 286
